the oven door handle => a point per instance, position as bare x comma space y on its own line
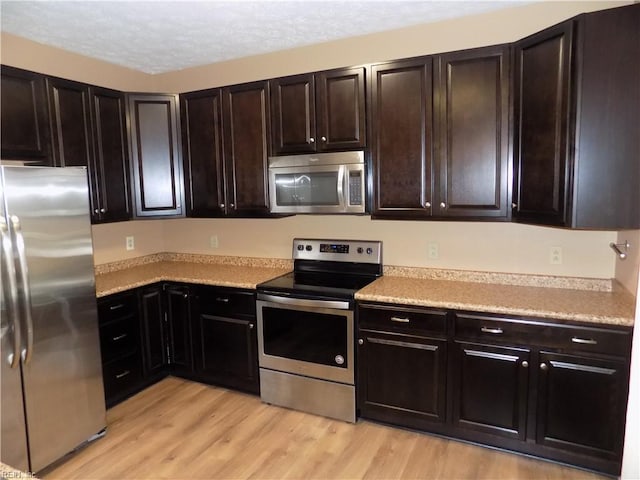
303, 302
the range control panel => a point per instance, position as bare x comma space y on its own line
361, 251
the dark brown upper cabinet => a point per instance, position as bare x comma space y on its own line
245, 111
225, 133
577, 114
23, 116
472, 131
88, 126
402, 138
201, 114
441, 136
154, 138
319, 112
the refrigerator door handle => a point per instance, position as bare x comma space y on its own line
11, 292
24, 279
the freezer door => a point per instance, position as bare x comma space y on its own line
48, 209
13, 435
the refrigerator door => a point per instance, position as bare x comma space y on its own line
13, 435
48, 209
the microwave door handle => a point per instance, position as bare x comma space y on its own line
342, 186
10, 292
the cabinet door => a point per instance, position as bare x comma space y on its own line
341, 109
490, 388
541, 149
155, 155
472, 175
23, 116
582, 404
227, 350
246, 147
179, 325
111, 159
154, 326
401, 379
402, 115
201, 114
293, 114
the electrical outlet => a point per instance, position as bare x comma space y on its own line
555, 255
213, 241
433, 250
131, 245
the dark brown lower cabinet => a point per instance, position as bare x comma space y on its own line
555, 390
490, 389
581, 404
225, 338
401, 378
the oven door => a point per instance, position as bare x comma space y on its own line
313, 338
317, 189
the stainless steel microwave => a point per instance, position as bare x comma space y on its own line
318, 183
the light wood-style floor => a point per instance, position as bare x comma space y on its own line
183, 430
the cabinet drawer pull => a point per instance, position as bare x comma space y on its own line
400, 319
116, 307
119, 337
495, 331
222, 299
584, 341
123, 374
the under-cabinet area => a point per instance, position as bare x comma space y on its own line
551, 387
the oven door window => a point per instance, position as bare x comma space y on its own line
307, 189
318, 338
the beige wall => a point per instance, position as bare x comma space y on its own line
23, 53
626, 271
462, 245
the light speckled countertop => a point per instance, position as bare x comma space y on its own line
583, 300
613, 308
238, 276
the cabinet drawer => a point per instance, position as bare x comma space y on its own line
118, 338
543, 333
410, 320
122, 375
226, 302
115, 307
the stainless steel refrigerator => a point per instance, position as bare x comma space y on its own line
52, 393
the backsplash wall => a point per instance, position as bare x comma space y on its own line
499, 247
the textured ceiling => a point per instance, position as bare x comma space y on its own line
161, 36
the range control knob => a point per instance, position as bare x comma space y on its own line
369, 251
360, 250
300, 247
309, 248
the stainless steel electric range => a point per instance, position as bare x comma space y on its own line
306, 326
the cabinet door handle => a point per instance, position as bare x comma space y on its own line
231, 205
525, 364
123, 374
514, 205
495, 331
443, 205
312, 140
222, 299
544, 367
324, 139
222, 205
400, 319
251, 326
103, 210
427, 204
119, 337
584, 341
96, 211
116, 307
185, 295
360, 341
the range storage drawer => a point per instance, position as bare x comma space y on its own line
403, 320
602, 340
122, 376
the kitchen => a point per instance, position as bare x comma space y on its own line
475, 246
